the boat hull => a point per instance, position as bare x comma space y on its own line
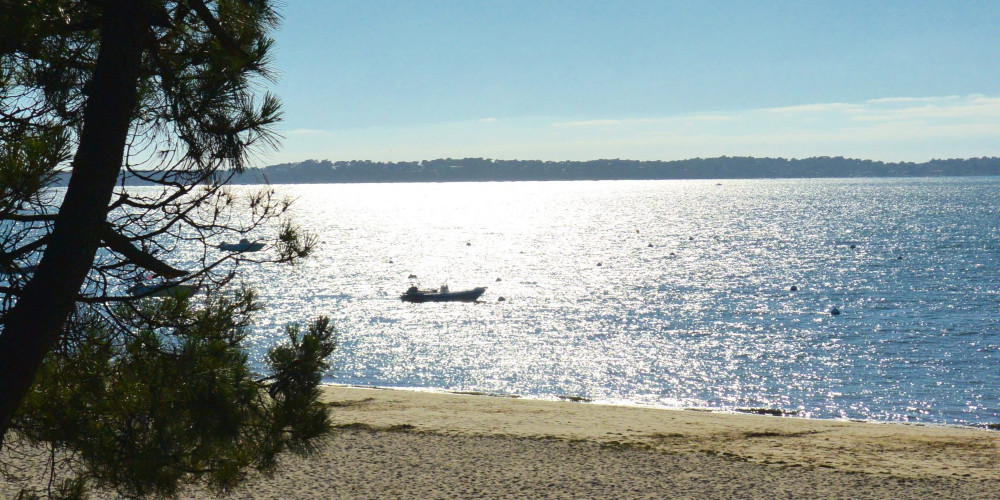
426, 296
175, 291
241, 247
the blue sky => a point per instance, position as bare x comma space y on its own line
575, 80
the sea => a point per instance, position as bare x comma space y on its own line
675, 294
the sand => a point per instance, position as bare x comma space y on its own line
408, 444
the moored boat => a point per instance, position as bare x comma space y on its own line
414, 294
244, 245
166, 289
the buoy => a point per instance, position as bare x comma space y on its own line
794, 288
834, 311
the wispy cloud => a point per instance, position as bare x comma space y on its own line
708, 118
299, 132
840, 107
970, 108
644, 121
590, 123
892, 129
914, 100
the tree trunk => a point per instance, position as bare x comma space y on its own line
36, 321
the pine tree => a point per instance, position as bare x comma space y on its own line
105, 94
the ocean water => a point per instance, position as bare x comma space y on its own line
666, 293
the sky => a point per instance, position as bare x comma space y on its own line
412, 80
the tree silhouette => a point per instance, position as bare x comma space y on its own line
163, 92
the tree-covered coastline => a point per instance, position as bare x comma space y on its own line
725, 167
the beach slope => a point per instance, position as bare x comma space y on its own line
408, 444
411, 444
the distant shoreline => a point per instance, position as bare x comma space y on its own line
487, 170
491, 170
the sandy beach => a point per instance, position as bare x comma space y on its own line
406, 444
409, 444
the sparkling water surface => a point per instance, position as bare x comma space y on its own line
667, 293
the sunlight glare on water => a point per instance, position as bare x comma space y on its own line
672, 293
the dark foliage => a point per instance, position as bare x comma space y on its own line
171, 400
142, 393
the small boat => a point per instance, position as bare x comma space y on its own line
166, 289
244, 245
16, 269
414, 294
